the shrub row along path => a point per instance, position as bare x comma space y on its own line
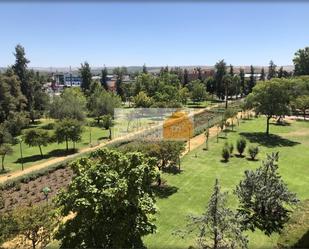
194, 143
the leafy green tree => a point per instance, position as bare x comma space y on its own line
108, 123
37, 137
220, 68
36, 224
68, 130
242, 82
184, 94
142, 100
264, 198
241, 145
145, 69
302, 103
252, 80
85, 72
271, 70
185, 77
20, 69
280, 72
198, 93
235, 86
211, 85
262, 76
301, 62
113, 210
5, 149
271, 98
104, 78
227, 81
199, 74
120, 72
71, 104
231, 70
101, 102
218, 226
12, 100
7, 226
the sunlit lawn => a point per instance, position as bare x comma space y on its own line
31, 155
200, 168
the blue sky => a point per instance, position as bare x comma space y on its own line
174, 33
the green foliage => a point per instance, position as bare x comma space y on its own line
264, 198
271, 98
262, 76
301, 62
85, 72
198, 92
272, 73
226, 152
68, 130
253, 151
101, 102
71, 104
7, 226
142, 100
37, 137
217, 227
104, 78
295, 232
220, 68
5, 149
107, 122
301, 103
241, 145
112, 197
36, 224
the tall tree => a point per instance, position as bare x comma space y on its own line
220, 73
227, 81
120, 72
199, 74
68, 130
280, 73
252, 80
113, 210
217, 227
242, 82
271, 70
265, 200
185, 77
301, 62
145, 69
271, 99
104, 78
262, 76
85, 72
5, 149
231, 70
20, 68
37, 137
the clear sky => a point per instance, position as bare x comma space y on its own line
156, 33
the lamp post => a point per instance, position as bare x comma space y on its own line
20, 140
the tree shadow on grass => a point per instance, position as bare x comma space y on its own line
172, 170
303, 242
53, 153
164, 191
268, 141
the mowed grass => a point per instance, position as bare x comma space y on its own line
194, 184
31, 155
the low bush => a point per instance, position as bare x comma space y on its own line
226, 152
241, 145
253, 151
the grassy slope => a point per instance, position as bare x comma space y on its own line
32, 156
196, 181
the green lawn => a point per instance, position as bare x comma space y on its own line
194, 185
32, 156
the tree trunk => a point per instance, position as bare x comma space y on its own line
67, 144
110, 133
41, 150
2, 163
304, 114
267, 125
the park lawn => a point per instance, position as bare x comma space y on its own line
32, 155
193, 186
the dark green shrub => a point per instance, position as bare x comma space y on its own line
253, 151
241, 145
226, 152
